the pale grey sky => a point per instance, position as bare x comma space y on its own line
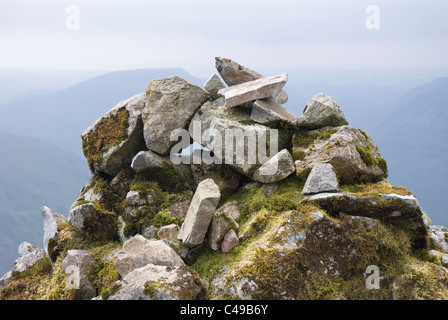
267, 35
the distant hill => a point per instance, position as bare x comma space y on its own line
60, 117
33, 173
414, 141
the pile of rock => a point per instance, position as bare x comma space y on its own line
137, 142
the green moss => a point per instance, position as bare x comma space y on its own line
108, 132
364, 134
382, 164
81, 202
375, 188
298, 155
304, 139
105, 277
366, 155
151, 289
167, 177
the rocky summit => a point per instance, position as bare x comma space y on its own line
270, 206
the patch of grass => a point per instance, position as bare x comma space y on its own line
298, 155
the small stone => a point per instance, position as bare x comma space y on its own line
322, 178
230, 241
250, 91
223, 220
133, 199
275, 169
149, 232
213, 85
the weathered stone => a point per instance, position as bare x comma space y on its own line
368, 223
275, 169
75, 266
353, 155
87, 193
170, 105
28, 256
139, 251
147, 159
268, 111
110, 143
223, 220
230, 241
5, 280
169, 233
322, 111
149, 232
438, 235
322, 178
235, 139
253, 90
133, 198
233, 73
79, 214
156, 282
50, 219
200, 213
213, 85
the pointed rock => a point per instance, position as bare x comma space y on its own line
322, 111
250, 91
322, 178
200, 213
275, 169
213, 85
50, 219
233, 73
170, 106
267, 111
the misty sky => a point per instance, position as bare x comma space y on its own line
267, 35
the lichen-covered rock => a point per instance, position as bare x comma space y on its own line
139, 251
51, 219
200, 213
217, 128
353, 155
170, 105
81, 213
76, 266
110, 143
322, 111
321, 179
156, 282
169, 233
276, 168
233, 73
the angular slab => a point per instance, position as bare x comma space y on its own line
250, 91
322, 111
213, 85
267, 111
139, 251
230, 241
110, 143
79, 214
170, 105
275, 169
233, 73
200, 213
50, 219
322, 178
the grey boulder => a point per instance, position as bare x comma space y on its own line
76, 265
322, 111
268, 111
79, 214
51, 231
170, 105
275, 169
